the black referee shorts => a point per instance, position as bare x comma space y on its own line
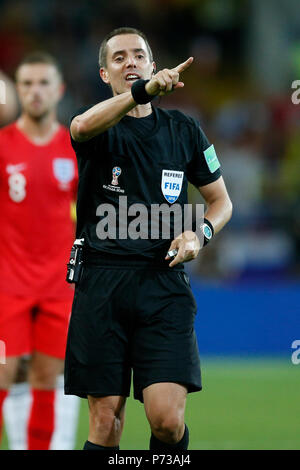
131, 319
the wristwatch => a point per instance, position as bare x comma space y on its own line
206, 228
207, 231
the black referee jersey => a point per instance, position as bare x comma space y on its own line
145, 161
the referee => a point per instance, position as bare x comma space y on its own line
133, 308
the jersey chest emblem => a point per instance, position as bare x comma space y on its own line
171, 184
116, 172
114, 185
64, 170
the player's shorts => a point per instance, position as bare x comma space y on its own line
131, 319
28, 325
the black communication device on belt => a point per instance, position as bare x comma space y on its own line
74, 266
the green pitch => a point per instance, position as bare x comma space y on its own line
244, 404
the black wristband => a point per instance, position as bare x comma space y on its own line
207, 222
139, 93
196, 224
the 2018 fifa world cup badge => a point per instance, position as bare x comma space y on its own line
114, 185
116, 172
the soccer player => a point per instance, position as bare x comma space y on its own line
133, 308
17, 407
38, 182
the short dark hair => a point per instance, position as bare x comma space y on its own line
117, 32
40, 57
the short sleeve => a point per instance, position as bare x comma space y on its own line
87, 148
202, 169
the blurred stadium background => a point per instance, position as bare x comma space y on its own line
247, 54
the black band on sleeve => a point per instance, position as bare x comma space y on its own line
139, 93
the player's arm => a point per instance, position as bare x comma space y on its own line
218, 213
108, 113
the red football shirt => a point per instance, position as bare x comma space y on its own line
37, 185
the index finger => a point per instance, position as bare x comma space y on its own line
184, 65
178, 258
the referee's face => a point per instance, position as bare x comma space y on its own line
127, 60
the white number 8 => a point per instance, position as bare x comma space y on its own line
17, 183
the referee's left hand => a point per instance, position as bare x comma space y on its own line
167, 80
187, 245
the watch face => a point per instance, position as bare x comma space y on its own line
207, 231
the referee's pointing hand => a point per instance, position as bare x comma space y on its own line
167, 80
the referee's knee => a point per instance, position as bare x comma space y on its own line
103, 421
106, 420
168, 428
